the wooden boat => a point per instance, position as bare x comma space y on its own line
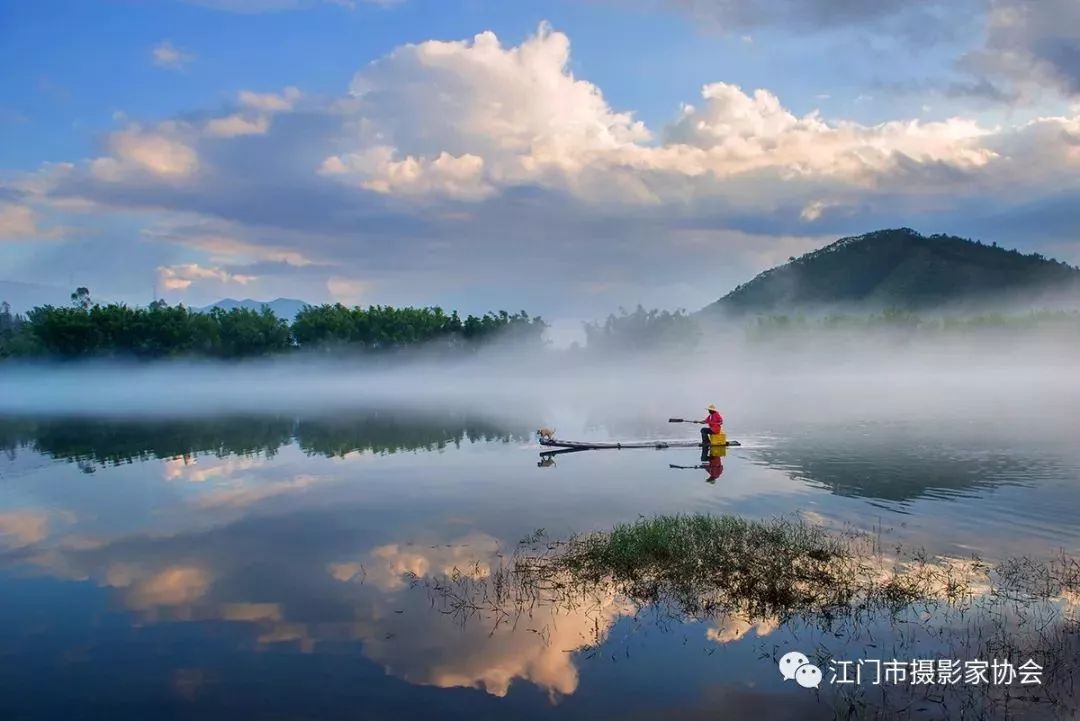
590, 446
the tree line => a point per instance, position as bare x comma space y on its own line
85, 329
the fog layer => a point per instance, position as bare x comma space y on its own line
989, 379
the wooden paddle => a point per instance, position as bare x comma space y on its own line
681, 420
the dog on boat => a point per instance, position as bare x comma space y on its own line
545, 433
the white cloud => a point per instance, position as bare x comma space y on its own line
474, 115
377, 169
157, 153
180, 277
235, 125
17, 221
464, 119
270, 102
167, 55
735, 132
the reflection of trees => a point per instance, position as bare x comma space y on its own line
93, 441
113, 442
392, 432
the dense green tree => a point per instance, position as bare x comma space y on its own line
384, 327
86, 329
242, 332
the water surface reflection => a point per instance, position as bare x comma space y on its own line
269, 566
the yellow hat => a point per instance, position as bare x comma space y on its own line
711, 407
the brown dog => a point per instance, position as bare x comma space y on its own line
545, 434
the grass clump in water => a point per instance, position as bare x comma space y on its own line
762, 568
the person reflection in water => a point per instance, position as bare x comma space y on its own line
713, 463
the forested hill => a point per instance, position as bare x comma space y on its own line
902, 269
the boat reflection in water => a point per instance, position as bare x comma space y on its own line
712, 460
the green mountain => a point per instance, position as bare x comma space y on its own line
902, 269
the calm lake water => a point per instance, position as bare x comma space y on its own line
272, 567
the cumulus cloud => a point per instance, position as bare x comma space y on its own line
736, 132
464, 119
180, 277
167, 55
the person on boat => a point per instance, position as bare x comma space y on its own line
714, 423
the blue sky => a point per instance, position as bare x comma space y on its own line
564, 157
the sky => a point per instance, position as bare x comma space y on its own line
564, 158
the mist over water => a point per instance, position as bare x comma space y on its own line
1008, 385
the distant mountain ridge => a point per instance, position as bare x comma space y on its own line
285, 308
902, 269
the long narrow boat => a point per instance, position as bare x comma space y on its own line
586, 446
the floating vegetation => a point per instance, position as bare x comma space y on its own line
844, 587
